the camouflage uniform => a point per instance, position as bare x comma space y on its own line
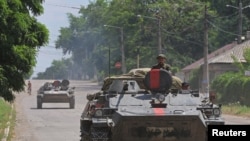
161, 64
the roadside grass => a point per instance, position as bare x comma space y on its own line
5, 112
236, 109
12, 125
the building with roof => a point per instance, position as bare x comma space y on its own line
219, 61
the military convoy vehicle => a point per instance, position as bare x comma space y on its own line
147, 105
56, 92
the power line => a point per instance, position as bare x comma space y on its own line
49, 53
220, 29
226, 17
72, 7
196, 3
180, 38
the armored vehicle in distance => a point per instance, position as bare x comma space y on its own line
147, 106
56, 92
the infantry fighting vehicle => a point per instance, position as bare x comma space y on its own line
56, 92
147, 106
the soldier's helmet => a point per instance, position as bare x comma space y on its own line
161, 56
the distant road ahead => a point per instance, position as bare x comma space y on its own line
55, 122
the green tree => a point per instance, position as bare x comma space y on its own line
182, 28
83, 37
233, 87
60, 69
20, 35
92, 44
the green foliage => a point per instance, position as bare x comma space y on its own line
233, 87
96, 48
236, 109
247, 58
174, 70
238, 64
194, 79
4, 115
87, 38
219, 85
19, 37
59, 70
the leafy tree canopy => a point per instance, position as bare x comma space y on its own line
20, 37
96, 48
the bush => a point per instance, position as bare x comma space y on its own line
232, 87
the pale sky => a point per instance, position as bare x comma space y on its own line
55, 17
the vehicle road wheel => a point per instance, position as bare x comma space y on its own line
39, 103
85, 138
100, 132
72, 103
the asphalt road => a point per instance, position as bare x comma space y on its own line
235, 120
56, 122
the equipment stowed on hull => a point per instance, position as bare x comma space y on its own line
56, 92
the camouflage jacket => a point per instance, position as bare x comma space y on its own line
162, 66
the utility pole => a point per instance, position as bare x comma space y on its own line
205, 80
240, 22
124, 68
138, 57
159, 36
240, 9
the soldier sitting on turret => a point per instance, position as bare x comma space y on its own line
161, 59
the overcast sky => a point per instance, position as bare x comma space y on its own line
55, 17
